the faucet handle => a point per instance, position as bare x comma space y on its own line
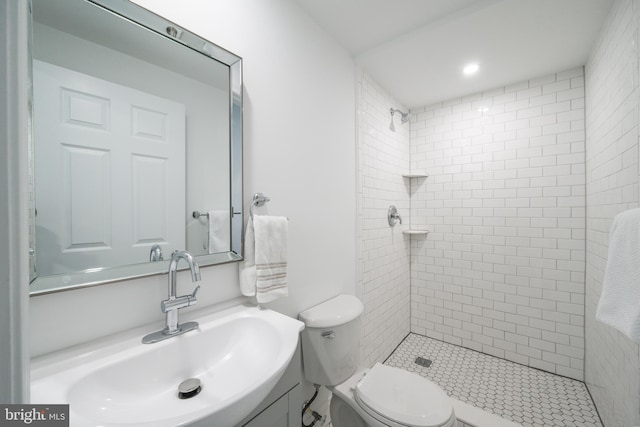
180, 302
195, 291
393, 216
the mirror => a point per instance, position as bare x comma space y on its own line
137, 145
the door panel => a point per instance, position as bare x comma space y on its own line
121, 154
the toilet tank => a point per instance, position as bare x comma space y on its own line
330, 340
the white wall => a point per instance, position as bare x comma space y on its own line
383, 284
299, 149
502, 269
612, 370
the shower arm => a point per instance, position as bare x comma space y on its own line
404, 117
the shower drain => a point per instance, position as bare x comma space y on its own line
423, 362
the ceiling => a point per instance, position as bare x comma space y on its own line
416, 49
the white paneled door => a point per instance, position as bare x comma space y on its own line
110, 172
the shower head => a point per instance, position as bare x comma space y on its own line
404, 118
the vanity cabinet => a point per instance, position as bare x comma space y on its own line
284, 412
283, 406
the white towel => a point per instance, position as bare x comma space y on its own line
263, 272
247, 266
219, 233
619, 304
271, 234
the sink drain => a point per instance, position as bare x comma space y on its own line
189, 388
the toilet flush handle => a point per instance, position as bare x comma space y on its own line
328, 335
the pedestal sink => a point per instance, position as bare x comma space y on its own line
238, 354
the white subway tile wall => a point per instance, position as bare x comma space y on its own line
612, 365
384, 250
502, 269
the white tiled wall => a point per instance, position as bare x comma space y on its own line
384, 251
502, 270
612, 366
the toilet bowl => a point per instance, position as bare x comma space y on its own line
388, 396
376, 397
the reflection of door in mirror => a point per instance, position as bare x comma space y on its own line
80, 225
110, 172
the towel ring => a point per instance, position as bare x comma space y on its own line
259, 199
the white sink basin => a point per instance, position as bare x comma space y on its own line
238, 354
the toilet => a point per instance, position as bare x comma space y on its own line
376, 397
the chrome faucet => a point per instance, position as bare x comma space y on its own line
173, 303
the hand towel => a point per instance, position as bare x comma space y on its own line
247, 267
219, 233
619, 304
271, 238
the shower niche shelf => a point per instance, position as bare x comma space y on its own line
413, 232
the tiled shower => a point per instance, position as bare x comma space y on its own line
502, 269
384, 251
527, 396
523, 184
612, 362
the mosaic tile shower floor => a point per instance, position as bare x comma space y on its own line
515, 392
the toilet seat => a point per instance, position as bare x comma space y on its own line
402, 397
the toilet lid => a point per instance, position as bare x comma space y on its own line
403, 397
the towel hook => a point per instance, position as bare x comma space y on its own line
259, 199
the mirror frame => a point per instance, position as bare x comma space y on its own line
137, 15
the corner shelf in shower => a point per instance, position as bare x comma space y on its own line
416, 232
415, 175
411, 231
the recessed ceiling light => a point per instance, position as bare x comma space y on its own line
470, 69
